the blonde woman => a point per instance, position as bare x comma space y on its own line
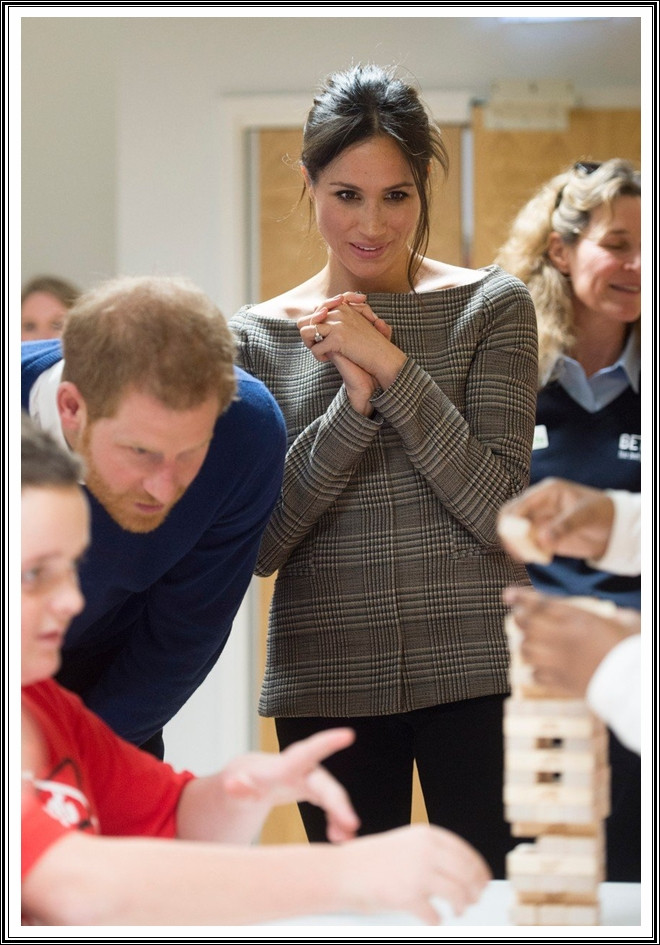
576, 245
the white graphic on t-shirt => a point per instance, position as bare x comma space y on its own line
64, 802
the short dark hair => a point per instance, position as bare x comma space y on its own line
64, 291
43, 461
369, 101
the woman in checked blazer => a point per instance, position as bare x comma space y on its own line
408, 387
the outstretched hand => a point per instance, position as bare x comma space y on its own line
296, 774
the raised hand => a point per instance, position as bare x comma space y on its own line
359, 383
296, 774
346, 327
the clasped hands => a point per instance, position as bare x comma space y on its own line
344, 312
346, 331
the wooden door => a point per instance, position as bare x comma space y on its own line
509, 166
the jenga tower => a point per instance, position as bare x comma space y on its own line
556, 789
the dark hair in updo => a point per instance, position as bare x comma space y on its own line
368, 101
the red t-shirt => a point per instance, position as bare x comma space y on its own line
90, 779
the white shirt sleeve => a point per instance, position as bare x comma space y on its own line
614, 691
624, 551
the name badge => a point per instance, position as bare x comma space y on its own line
540, 441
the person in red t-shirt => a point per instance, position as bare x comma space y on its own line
97, 812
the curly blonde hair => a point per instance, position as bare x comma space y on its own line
562, 205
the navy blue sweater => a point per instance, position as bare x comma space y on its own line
160, 605
601, 449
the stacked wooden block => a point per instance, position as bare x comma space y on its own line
556, 790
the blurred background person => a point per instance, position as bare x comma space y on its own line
45, 301
577, 245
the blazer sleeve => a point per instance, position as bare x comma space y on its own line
477, 458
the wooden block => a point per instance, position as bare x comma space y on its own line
563, 844
545, 814
554, 759
558, 899
554, 914
568, 915
524, 686
531, 828
543, 885
517, 531
550, 726
583, 915
598, 743
529, 859
555, 793
562, 707
523, 914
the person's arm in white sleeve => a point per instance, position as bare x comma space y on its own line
614, 691
624, 548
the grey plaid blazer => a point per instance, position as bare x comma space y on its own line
387, 597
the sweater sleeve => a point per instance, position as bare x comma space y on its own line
477, 459
318, 466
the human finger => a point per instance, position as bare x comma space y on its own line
309, 327
354, 298
302, 762
514, 595
324, 791
305, 754
540, 503
358, 302
584, 529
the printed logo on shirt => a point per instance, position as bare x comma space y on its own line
630, 447
62, 800
540, 441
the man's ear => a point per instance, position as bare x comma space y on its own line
558, 253
72, 410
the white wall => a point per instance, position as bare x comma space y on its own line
69, 142
174, 72
120, 114
124, 166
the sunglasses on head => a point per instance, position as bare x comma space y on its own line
586, 167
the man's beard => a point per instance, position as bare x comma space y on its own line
121, 507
